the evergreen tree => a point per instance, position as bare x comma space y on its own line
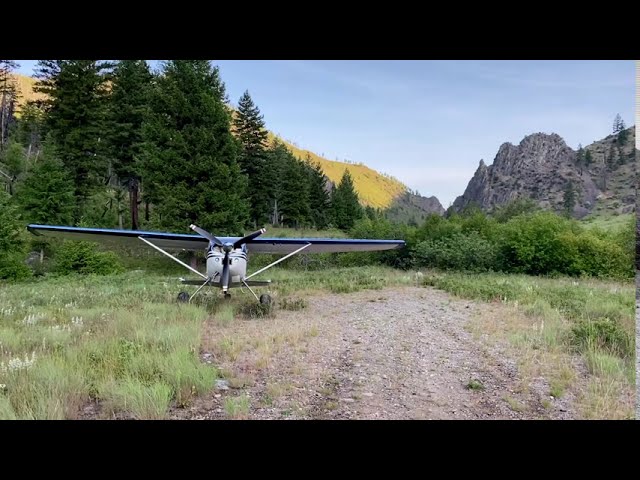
8, 98
12, 238
12, 162
345, 204
295, 190
319, 200
189, 155
580, 161
622, 133
76, 118
128, 110
618, 124
250, 130
276, 169
588, 158
569, 199
46, 194
30, 127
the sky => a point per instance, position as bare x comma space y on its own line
428, 123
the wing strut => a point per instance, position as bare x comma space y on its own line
276, 262
172, 257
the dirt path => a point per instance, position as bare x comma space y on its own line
396, 353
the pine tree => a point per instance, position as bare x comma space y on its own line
8, 99
569, 199
13, 161
588, 158
345, 204
618, 124
30, 127
189, 155
319, 200
276, 169
46, 194
250, 130
129, 102
12, 238
580, 161
76, 118
295, 190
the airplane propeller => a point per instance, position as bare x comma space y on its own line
227, 248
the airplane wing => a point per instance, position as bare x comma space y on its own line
320, 245
183, 241
168, 241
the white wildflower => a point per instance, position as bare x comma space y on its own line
18, 364
77, 321
2, 386
32, 319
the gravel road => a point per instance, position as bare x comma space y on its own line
396, 353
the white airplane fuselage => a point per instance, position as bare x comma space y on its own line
237, 264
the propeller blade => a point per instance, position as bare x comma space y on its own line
249, 237
225, 272
206, 235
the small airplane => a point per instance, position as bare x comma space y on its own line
227, 257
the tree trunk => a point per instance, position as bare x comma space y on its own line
133, 202
146, 211
41, 255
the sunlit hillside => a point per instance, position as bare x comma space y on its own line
373, 188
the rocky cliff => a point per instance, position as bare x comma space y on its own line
543, 167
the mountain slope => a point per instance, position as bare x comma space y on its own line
541, 167
374, 189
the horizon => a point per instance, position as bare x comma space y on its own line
432, 120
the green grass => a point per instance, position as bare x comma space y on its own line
237, 407
121, 339
607, 222
475, 385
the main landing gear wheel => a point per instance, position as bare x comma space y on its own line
265, 299
183, 297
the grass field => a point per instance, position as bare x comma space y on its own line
124, 341
608, 222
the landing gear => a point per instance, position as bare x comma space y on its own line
183, 297
265, 299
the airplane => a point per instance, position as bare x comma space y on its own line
227, 257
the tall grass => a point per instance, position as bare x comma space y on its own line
119, 340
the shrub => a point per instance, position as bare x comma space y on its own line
458, 252
12, 267
531, 244
593, 254
602, 334
84, 258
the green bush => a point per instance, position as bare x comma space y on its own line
458, 252
592, 254
531, 244
602, 334
13, 268
84, 258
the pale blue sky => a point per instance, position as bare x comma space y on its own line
428, 123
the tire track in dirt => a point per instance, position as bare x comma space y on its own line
396, 353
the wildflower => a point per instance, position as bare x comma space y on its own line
18, 364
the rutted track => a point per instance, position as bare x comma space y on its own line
396, 353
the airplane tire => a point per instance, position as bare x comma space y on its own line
265, 299
183, 297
